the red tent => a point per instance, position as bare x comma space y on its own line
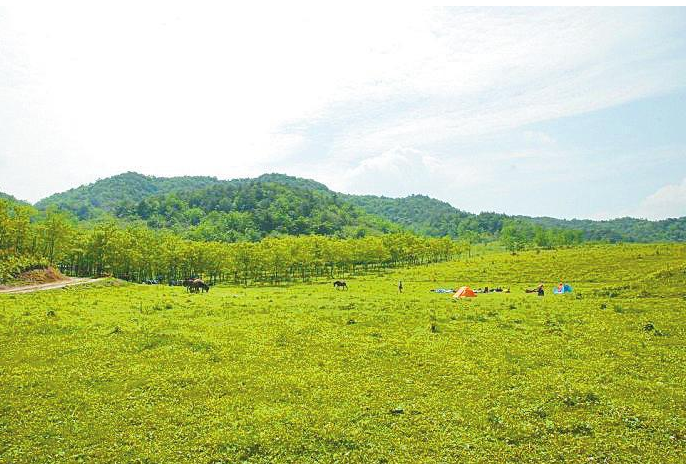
464, 292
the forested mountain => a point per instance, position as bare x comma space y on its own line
428, 216
623, 229
417, 212
290, 181
89, 201
5, 196
276, 204
253, 209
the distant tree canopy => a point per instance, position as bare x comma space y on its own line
518, 235
10, 198
428, 216
620, 230
275, 204
93, 200
251, 211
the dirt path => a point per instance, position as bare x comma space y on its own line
49, 286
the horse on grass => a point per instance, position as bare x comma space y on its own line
195, 286
198, 286
340, 284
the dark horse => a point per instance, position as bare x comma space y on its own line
198, 286
188, 283
340, 284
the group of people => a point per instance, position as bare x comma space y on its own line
540, 291
478, 290
492, 290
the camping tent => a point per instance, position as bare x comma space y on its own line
566, 288
464, 292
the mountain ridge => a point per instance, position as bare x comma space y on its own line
417, 213
8, 197
105, 193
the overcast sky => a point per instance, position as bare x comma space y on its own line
557, 112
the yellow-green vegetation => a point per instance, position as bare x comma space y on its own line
305, 373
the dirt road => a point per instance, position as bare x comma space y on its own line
48, 286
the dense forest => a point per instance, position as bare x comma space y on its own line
5, 196
620, 230
428, 216
251, 210
92, 200
274, 204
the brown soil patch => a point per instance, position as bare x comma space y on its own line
40, 276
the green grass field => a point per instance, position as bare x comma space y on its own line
305, 373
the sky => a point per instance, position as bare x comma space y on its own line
538, 111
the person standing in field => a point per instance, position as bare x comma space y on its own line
400, 286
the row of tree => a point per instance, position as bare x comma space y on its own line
137, 252
518, 235
134, 251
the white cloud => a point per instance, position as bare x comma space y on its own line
484, 72
404, 171
667, 202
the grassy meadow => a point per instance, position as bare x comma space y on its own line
117, 372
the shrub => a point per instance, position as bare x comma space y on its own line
11, 265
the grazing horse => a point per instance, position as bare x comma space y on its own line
188, 283
198, 286
340, 284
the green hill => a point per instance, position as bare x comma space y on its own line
279, 204
6, 196
623, 229
428, 216
88, 201
252, 209
417, 212
290, 181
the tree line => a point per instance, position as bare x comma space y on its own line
29, 238
518, 235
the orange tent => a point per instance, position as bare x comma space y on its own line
464, 292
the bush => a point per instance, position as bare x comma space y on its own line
11, 265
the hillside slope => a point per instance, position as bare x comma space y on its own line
428, 216
252, 209
622, 229
8, 197
88, 201
306, 206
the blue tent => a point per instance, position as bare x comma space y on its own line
566, 288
